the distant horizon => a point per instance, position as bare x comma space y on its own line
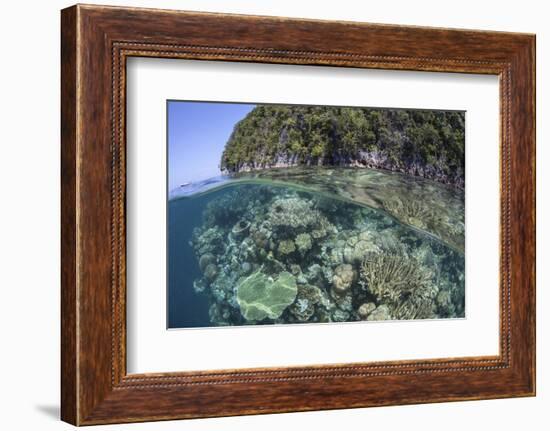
197, 134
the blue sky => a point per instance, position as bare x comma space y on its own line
197, 133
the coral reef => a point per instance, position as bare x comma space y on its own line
272, 254
422, 204
401, 283
390, 277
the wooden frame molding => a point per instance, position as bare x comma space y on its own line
95, 43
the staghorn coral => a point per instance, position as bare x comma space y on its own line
424, 212
414, 307
412, 212
398, 281
445, 303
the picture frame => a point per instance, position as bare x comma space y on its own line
96, 42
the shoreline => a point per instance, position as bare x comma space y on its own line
416, 171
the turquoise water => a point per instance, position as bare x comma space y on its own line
315, 245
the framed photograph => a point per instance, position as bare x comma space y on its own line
322, 214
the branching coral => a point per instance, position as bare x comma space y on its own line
412, 212
398, 281
414, 307
424, 213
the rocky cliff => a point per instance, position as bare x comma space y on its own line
417, 142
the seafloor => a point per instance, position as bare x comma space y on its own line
302, 245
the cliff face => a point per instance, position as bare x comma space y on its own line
424, 143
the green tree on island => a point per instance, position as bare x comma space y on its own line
417, 142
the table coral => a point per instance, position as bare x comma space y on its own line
260, 297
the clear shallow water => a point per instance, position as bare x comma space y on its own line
303, 245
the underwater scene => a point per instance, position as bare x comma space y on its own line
277, 233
